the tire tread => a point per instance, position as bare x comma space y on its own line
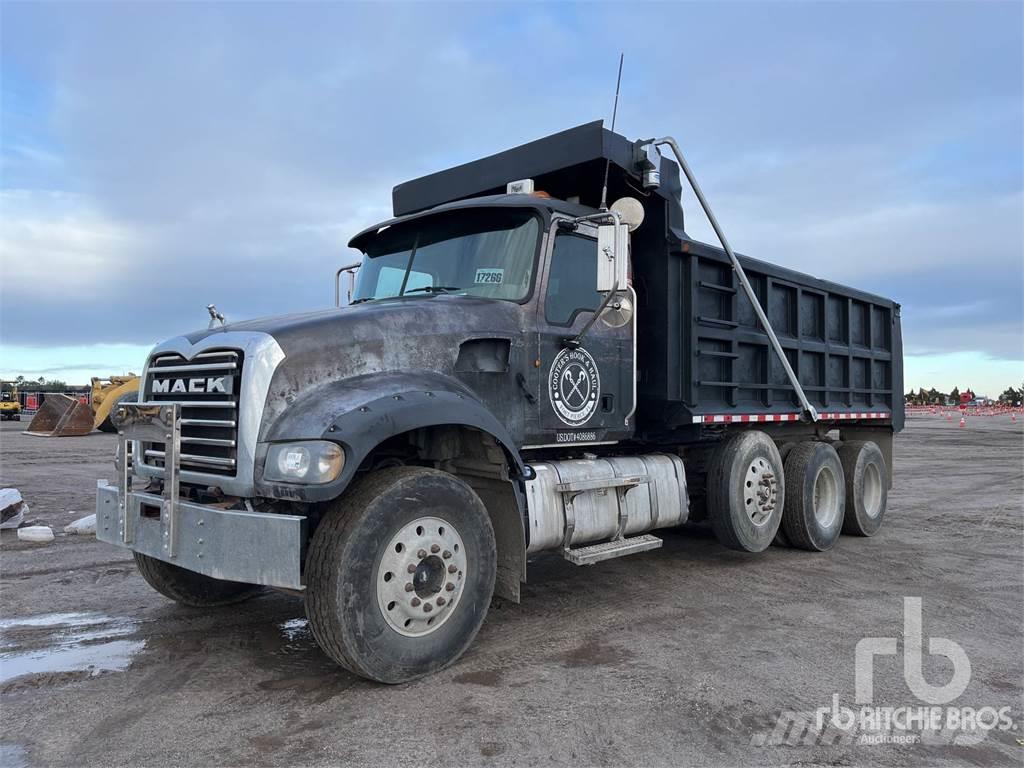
849, 455
719, 478
334, 528
330, 549
797, 459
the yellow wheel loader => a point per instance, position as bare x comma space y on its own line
105, 395
65, 416
10, 405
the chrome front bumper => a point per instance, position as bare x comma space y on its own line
251, 547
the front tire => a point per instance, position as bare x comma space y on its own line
191, 588
745, 491
400, 574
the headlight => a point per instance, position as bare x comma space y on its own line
311, 461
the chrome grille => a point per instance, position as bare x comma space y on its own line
209, 420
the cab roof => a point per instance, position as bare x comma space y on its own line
545, 205
568, 164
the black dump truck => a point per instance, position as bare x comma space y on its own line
520, 368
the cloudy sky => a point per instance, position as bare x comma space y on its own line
155, 158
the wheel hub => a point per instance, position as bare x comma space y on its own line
760, 491
429, 578
826, 498
420, 576
872, 491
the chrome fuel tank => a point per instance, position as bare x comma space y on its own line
650, 488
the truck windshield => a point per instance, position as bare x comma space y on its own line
484, 252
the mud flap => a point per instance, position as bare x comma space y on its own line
61, 416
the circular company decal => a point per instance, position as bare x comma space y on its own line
574, 386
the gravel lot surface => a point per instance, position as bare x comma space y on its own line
687, 655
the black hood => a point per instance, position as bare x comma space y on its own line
422, 333
422, 316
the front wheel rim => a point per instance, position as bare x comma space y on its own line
421, 575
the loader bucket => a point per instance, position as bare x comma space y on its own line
61, 416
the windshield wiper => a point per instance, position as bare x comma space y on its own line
424, 289
371, 298
436, 289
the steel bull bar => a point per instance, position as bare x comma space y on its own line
234, 545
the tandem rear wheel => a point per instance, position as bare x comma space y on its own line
745, 491
804, 494
812, 518
867, 487
831, 490
400, 574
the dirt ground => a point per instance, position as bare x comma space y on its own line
687, 655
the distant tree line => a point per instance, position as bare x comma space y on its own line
1010, 396
42, 384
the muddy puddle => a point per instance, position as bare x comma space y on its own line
89, 643
59, 648
287, 652
13, 756
287, 647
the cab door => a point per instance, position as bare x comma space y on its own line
585, 392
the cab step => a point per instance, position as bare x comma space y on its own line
606, 550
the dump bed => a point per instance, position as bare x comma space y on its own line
706, 359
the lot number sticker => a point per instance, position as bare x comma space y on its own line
489, 276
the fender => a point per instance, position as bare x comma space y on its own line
362, 412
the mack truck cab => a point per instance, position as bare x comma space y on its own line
520, 368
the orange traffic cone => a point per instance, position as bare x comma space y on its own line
1013, 417
949, 417
963, 422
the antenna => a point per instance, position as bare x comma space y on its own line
615, 112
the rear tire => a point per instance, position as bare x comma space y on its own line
400, 574
815, 497
745, 491
867, 487
191, 588
781, 540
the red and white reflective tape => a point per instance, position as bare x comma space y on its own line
733, 418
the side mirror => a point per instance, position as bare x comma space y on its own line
612, 257
351, 269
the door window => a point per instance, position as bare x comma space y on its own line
572, 279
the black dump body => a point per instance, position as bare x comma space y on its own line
703, 357
845, 345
